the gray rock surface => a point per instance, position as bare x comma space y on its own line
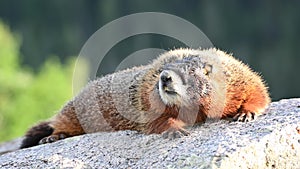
272, 141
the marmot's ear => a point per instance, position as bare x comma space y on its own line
207, 68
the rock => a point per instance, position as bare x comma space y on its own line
272, 141
10, 146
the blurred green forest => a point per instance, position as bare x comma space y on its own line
26, 97
39, 39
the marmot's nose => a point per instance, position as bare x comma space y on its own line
165, 77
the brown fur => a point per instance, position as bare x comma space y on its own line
220, 87
66, 122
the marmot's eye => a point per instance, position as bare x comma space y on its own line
192, 70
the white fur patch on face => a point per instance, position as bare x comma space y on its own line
175, 85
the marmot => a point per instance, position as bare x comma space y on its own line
180, 88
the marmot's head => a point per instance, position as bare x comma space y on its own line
184, 82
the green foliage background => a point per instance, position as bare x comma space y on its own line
27, 97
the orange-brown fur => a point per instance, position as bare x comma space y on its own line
233, 90
66, 122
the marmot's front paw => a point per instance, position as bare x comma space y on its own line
52, 138
173, 133
245, 116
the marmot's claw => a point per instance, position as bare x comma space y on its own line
172, 133
245, 117
52, 138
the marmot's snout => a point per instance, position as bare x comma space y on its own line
166, 82
170, 86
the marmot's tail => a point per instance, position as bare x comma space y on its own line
36, 133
